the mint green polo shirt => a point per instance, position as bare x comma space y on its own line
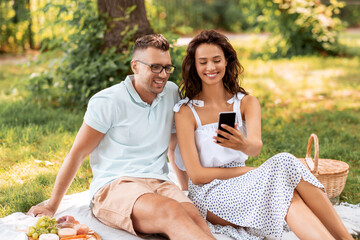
136, 136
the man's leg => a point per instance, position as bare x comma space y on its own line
196, 217
153, 213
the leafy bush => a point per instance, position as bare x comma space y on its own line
186, 16
298, 27
14, 25
84, 67
351, 15
301, 27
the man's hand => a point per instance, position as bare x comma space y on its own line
38, 211
85, 142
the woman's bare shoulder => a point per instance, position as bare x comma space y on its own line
250, 100
250, 103
184, 111
185, 115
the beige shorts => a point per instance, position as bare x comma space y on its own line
113, 204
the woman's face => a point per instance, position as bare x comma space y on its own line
210, 63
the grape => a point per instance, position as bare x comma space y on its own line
31, 230
38, 224
44, 225
35, 236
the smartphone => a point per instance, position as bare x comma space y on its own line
227, 118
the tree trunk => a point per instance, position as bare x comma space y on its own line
31, 38
117, 9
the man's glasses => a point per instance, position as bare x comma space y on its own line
158, 68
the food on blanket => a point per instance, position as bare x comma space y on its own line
70, 222
65, 228
77, 237
66, 232
81, 229
44, 225
49, 236
67, 221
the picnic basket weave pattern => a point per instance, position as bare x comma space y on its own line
331, 173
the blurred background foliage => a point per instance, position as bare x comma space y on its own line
71, 34
26, 24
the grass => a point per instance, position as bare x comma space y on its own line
31, 133
310, 95
299, 96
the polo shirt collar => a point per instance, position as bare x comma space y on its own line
134, 94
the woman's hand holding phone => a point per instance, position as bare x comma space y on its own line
234, 139
227, 118
227, 134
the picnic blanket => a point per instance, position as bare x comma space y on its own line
77, 205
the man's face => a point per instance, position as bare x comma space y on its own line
147, 83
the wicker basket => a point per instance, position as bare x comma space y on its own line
331, 173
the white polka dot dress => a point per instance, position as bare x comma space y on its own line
257, 201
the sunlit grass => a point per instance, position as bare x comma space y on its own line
30, 133
299, 96
310, 82
307, 95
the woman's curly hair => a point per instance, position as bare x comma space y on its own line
191, 85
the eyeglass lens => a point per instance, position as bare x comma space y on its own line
157, 68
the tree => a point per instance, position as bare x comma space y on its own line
120, 23
97, 52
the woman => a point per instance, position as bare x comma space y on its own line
226, 191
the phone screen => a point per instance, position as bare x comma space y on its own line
227, 118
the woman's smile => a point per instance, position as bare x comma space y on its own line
210, 63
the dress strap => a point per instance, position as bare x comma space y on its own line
197, 118
190, 103
236, 100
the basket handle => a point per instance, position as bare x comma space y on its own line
312, 163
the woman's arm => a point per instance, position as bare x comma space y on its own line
181, 175
251, 145
185, 127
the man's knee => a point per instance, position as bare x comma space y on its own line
193, 212
154, 206
171, 209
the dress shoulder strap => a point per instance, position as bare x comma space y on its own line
190, 103
236, 100
197, 118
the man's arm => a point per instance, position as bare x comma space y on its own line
181, 175
85, 142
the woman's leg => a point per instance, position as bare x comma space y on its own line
300, 219
321, 206
303, 222
217, 220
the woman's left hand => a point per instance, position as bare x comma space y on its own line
235, 140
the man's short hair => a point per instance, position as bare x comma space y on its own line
157, 41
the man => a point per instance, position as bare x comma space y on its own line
127, 130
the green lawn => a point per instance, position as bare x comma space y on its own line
299, 96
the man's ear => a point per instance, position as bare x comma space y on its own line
134, 66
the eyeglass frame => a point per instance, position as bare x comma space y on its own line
162, 67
